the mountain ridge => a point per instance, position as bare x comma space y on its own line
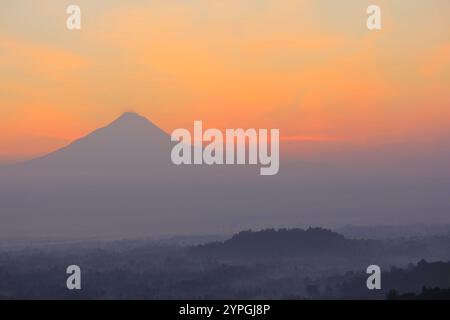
130, 140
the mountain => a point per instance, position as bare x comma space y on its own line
274, 244
129, 145
119, 181
131, 148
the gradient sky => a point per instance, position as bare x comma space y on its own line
308, 67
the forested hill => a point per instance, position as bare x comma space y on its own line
287, 242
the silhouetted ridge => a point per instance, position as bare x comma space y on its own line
285, 242
424, 280
129, 142
130, 119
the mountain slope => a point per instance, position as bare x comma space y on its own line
117, 181
129, 143
273, 244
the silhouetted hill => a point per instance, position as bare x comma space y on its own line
285, 243
144, 269
131, 142
118, 181
411, 280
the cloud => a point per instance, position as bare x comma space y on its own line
39, 60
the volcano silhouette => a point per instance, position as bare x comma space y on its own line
129, 144
118, 180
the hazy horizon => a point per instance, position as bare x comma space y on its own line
242, 149
363, 115
119, 181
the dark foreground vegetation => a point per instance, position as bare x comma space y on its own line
270, 264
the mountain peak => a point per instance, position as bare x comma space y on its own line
131, 116
129, 140
132, 123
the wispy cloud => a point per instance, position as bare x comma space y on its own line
39, 60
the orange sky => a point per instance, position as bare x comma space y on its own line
308, 67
